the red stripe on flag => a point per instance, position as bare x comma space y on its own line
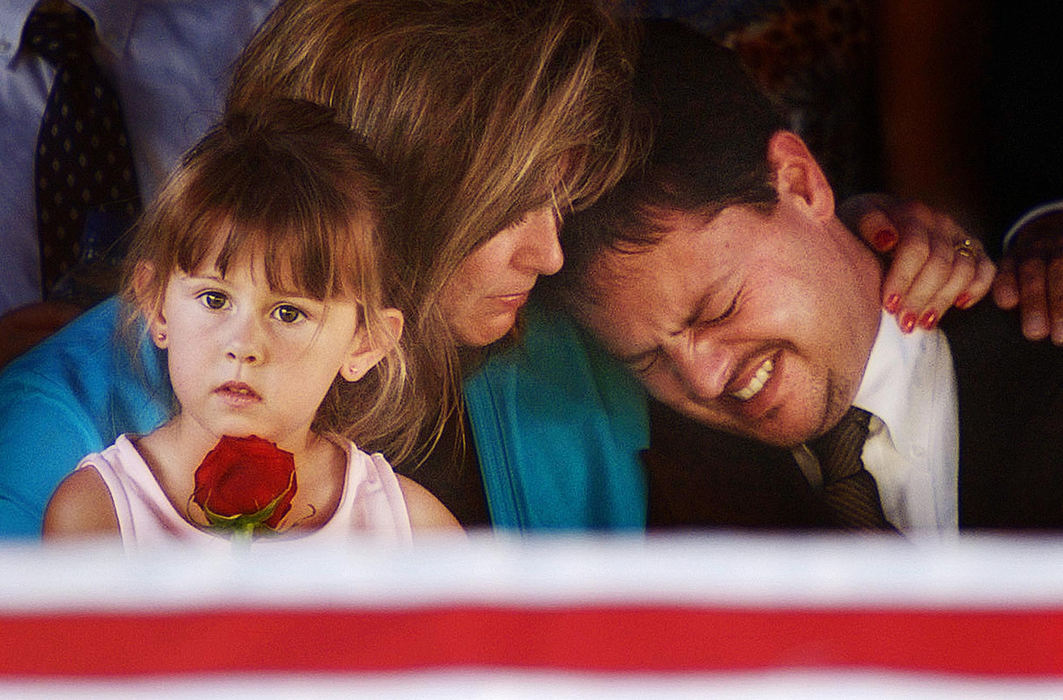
600, 638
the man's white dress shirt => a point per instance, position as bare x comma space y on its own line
909, 387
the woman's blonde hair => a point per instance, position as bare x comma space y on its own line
481, 110
291, 184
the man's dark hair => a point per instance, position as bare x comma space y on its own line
709, 127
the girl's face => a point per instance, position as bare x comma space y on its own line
482, 299
247, 360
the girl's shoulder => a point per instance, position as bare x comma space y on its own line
426, 511
81, 507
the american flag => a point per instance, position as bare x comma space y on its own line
695, 615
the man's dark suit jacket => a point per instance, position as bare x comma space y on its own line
1011, 447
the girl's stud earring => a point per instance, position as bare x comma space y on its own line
161, 335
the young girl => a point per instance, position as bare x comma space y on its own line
259, 269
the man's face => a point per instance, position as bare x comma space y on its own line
757, 323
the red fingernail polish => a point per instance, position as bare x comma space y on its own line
928, 320
963, 300
884, 239
908, 322
893, 303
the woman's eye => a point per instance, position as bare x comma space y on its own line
214, 300
285, 313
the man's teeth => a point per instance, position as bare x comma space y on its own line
756, 383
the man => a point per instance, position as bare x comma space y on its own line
168, 66
720, 275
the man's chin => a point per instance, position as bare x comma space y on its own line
787, 440
772, 432
777, 427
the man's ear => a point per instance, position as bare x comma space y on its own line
366, 351
797, 173
143, 283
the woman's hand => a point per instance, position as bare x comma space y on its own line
1031, 277
934, 264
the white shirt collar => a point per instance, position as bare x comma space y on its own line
13, 16
913, 451
114, 21
889, 375
113, 18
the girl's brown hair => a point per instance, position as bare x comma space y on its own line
290, 183
481, 110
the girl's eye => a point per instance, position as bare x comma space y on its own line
214, 300
286, 313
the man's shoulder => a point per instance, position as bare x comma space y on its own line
989, 350
984, 324
1010, 394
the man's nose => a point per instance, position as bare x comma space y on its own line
539, 249
703, 368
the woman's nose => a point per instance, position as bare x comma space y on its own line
539, 249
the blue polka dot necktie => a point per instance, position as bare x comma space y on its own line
84, 167
848, 488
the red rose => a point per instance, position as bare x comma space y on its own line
244, 483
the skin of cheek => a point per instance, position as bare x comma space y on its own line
481, 301
778, 312
804, 385
197, 364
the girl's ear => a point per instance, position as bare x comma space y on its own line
143, 284
365, 351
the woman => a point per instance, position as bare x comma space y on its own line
494, 119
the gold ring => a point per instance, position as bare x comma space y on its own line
967, 247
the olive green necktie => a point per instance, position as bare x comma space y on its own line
849, 489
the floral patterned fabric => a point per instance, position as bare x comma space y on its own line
814, 58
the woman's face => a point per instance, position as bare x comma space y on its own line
482, 299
